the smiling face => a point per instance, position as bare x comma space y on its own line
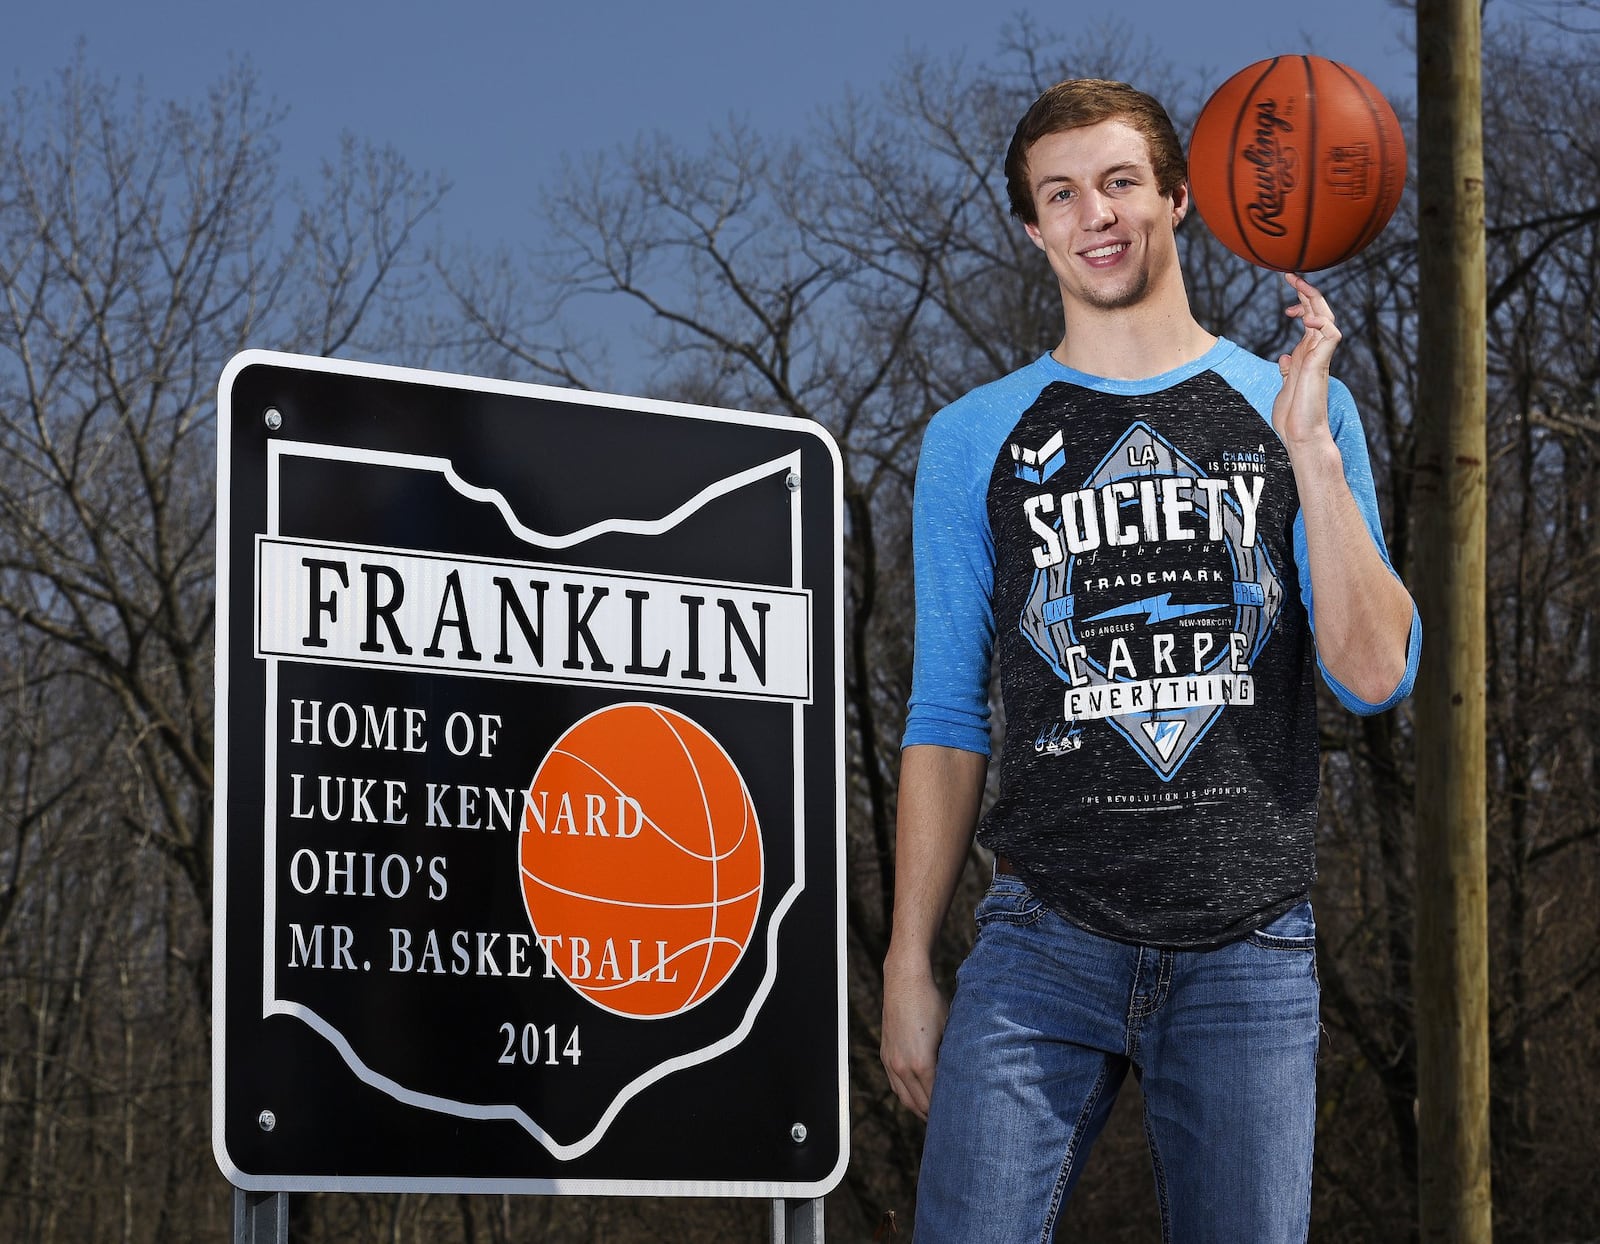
1106, 228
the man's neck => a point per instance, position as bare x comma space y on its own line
1133, 343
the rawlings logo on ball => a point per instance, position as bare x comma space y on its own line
1275, 168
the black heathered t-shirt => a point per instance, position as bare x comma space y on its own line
1130, 554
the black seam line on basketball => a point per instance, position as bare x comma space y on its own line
1308, 229
1368, 232
1233, 154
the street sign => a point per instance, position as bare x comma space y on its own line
529, 794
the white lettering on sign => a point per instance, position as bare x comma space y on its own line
354, 605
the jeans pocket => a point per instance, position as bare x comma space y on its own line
1294, 930
1008, 901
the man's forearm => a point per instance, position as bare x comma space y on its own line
1363, 612
940, 792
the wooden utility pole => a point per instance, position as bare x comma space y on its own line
1451, 971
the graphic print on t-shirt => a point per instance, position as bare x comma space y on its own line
1153, 594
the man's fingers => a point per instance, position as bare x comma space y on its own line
913, 1094
917, 1097
1302, 286
911, 1080
1310, 301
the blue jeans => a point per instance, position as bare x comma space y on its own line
1045, 1022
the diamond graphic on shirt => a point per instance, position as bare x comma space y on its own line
1155, 597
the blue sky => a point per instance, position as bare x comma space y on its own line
494, 94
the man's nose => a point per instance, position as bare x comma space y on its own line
1097, 212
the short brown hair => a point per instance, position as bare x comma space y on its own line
1078, 102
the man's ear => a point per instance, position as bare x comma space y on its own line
1180, 203
1033, 232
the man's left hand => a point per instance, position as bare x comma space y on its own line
1300, 413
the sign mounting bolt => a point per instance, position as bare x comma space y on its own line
267, 1120
791, 481
273, 418
797, 1133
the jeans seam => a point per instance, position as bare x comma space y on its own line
1270, 941
1156, 998
1017, 918
1130, 1024
1064, 1176
1162, 1202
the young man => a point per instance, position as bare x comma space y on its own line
1159, 538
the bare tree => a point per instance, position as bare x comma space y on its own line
141, 244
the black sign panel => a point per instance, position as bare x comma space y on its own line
529, 806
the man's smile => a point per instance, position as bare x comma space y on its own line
1109, 250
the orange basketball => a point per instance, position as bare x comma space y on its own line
641, 860
1297, 163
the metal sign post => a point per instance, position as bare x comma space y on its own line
797, 1222
529, 795
260, 1217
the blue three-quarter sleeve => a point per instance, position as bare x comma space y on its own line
954, 567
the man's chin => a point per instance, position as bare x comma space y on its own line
1117, 297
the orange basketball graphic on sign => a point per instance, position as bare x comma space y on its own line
641, 860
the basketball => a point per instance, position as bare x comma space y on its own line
1297, 163
641, 860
